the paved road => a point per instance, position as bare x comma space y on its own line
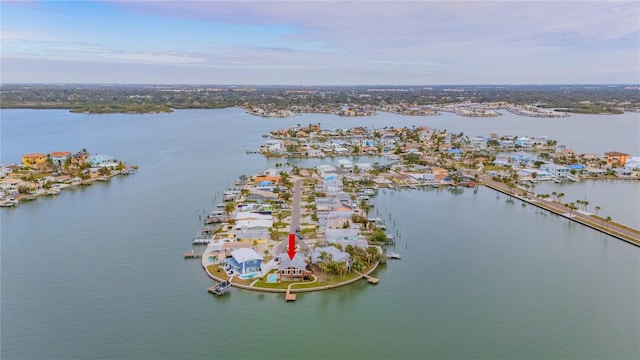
295, 219
611, 228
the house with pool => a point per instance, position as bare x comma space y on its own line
293, 269
245, 263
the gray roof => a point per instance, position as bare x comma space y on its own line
336, 254
297, 262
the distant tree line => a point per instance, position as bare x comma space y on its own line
161, 98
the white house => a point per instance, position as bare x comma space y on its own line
555, 169
524, 142
274, 146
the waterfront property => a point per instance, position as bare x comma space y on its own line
293, 269
244, 262
556, 170
320, 254
615, 158
34, 159
60, 157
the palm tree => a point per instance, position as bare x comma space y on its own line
554, 194
560, 196
229, 207
597, 209
608, 220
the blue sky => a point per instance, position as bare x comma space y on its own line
320, 42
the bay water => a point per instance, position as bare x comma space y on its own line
97, 272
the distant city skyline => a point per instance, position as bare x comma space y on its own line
320, 42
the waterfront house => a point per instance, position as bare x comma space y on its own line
336, 255
244, 261
293, 269
506, 144
60, 157
555, 169
615, 158
100, 160
524, 142
273, 146
34, 159
633, 163
10, 183
93, 172
79, 158
326, 170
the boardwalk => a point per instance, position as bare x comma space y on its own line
619, 231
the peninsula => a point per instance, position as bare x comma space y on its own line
46, 174
292, 229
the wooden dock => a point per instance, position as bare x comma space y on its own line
288, 296
192, 255
371, 279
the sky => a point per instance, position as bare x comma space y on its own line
320, 42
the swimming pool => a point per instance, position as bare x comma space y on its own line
249, 275
272, 278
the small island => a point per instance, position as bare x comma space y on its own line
47, 174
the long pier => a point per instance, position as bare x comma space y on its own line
629, 235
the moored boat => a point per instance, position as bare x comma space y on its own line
222, 288
393, 255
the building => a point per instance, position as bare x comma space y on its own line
100, 160
479, 142
79, 158
331, 184
244, 261
260, 236
340, 235
615, 158
524, 142
60, 157
555, 169
336, 255
34, 159
291, 269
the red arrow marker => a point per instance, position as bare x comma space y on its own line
292, 246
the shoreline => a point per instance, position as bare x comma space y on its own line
290, 288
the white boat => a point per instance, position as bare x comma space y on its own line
393, 255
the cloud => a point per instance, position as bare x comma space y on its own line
328, 42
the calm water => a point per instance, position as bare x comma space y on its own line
97, 272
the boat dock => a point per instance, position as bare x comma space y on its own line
192, 255
288, 296
220, 288
371, 279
